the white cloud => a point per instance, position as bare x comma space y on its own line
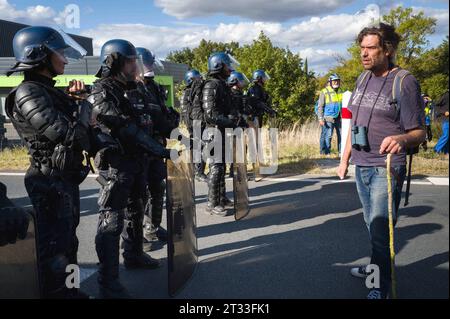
441, 15
38, 14
280, 10
317, 34
319, 60
330, 30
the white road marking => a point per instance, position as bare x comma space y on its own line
437, 181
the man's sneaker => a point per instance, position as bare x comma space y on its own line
217, 210
359, 272
376, 294
143, 261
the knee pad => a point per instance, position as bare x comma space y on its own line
111, 222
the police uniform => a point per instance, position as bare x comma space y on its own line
123, 168
44, 118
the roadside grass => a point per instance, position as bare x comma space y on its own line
298, 153
14, 159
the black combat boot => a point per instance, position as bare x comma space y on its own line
108, 273
133, 255
215, 177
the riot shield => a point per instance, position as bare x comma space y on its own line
240, 180
18, 268
256, 164
264, 143
181, 223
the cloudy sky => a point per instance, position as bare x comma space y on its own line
317, 29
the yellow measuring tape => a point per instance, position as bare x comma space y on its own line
391, 226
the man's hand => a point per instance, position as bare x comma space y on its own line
77, 89
322, 123
446, 114
392, 145
342, 170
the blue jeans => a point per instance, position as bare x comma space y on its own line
442, 144
327, 134
371, 183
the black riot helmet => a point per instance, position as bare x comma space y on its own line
32, 47
113, 55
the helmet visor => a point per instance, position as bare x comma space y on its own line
152, 66
69, 50
244, 82
234, 64
158, 65
141, 68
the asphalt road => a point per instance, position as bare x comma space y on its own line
301, 238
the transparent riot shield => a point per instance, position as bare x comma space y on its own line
181, 223
240, 180
254, 124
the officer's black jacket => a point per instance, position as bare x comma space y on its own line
217, 103
114, 115
186, 106
45, 117
165, 120
257, 91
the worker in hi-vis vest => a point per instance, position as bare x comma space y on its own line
329, 113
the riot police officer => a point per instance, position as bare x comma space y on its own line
55, 129
186, 104
165, 119
240, 110
193, 111
260, 99
217, 105
125, 137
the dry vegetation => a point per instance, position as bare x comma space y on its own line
298, 153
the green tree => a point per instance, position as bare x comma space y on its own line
197, 58
414, 30
184, 55
348, 69
430, 67
291, 87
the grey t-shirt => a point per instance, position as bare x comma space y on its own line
385, 121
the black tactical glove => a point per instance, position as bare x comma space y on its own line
13, 224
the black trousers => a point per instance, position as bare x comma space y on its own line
154, 199
56, 204
121, 213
